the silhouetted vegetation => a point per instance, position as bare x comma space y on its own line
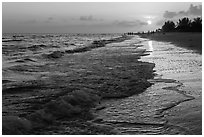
196, 25
131, 33
168, 26
183, 25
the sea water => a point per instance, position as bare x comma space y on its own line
172, 105
24, 54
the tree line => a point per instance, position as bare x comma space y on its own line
183, 25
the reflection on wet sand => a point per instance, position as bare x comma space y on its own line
165, 107
150, 46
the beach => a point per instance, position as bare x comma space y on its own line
121, 86
190, 40
102, 68
172, 105
183, 65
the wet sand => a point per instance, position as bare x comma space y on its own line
61, 97
187, 40
171, 106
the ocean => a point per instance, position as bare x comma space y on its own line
23, 54
66, 84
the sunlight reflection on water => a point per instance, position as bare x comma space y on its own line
178, 80
150, 46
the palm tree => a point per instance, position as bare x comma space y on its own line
196, 25
168, 26
184, 24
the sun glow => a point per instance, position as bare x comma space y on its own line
149, 22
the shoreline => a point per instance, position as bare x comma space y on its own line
189, 40
89, 77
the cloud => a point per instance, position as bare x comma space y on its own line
129, 23
182, 13
169, 15
86, 18
89, 18
195, 10
160, 22
49, 20
192, 11
32, 21
150, 17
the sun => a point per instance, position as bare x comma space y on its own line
149, 22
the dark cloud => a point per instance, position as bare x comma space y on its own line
130, 23
192, 11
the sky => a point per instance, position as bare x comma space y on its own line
90, 17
